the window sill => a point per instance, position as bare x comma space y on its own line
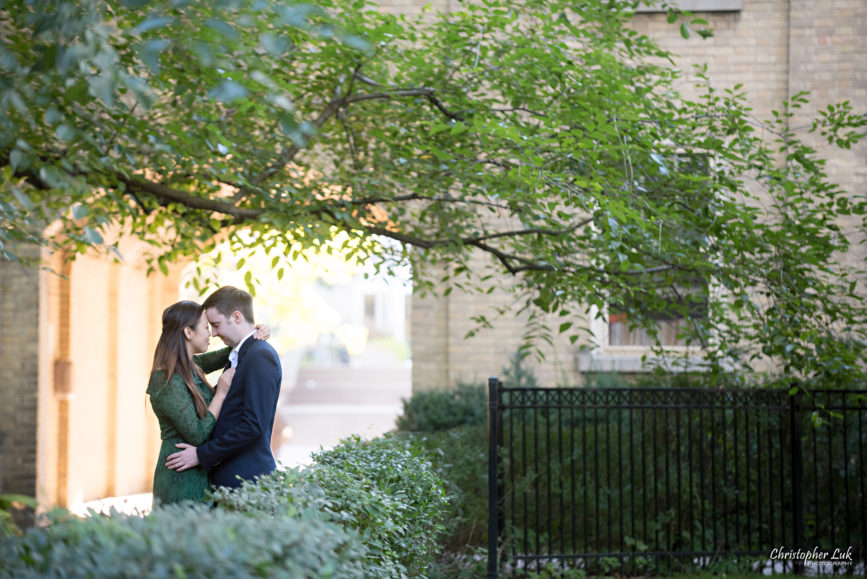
628, 360
700, 6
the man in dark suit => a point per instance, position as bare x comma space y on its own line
240, 445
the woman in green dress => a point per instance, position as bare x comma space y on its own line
186, 405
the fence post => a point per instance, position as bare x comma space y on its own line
797, 478
493, 499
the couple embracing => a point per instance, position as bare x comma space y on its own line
223, 433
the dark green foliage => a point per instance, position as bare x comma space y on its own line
383, 490
439, 410
282, 493
371, 509
387, 489
459, 456
183, 541
15, 509
660, 378
451, 425
649, 479
516, 374
606, 477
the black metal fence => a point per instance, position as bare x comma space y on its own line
661, 480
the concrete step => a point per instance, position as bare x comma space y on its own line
350, 386
327, 405
349, 375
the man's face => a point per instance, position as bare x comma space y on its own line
224, 327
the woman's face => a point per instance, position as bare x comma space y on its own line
199, 336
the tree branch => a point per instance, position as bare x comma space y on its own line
330, 110
534, 231
519, 109
430, 198
167, 193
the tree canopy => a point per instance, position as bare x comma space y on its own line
547, 135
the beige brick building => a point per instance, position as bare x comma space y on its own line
775, 48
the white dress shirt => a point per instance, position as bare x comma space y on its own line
233, 355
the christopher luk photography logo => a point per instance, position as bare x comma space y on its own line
814, 556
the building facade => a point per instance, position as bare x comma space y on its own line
77, 345
775, 48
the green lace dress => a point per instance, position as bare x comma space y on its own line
173, 405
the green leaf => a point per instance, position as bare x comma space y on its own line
53, 116
296, 15
204, 53
275, 45
228, 91
19, 160
356, 42
65, 133
151, 51
222, 27
152, 23
93, 236
23, 199
102, 86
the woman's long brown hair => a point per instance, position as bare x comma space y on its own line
171, 355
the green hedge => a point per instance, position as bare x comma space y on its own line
183, 541
438, 410
451, 425
646, 480
368, 509
15, 510
384, 490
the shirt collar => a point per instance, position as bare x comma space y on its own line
233, 355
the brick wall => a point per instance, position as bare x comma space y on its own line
19, 354
829, 59
775, 48
443, 356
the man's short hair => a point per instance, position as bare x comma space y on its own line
230, 299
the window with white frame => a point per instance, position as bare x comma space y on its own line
682, 304
672, 301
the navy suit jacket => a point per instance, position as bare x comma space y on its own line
240, 444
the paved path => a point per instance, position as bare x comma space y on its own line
329, 404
